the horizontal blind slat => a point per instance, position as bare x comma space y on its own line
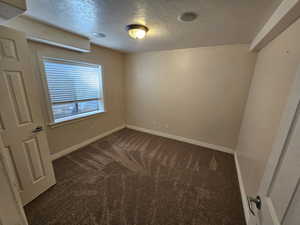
72, 82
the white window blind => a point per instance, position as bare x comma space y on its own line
74, 88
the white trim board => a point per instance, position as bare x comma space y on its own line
287, 13
183, 139
242, 189
84, 143
162, 134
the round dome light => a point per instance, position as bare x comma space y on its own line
137, 31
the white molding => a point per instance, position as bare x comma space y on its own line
242, 189
183, 139
46, 33
162, 134
84, 143
9, 10
287, 13
56, 43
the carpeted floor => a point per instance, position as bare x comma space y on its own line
134, 178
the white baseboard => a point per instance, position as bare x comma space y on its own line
171, 136
183, 139
242, 189
84, 143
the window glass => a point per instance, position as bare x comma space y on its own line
74, 88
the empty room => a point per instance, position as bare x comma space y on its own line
149, 112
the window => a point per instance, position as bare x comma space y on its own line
74, 89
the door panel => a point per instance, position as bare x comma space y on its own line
8, 50
13, 168
280, 205
15, 84
27, 152
280, 195
267, 216
1, 124
33, 158
288, 173
11, 213
294, 209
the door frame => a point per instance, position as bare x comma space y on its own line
280, 143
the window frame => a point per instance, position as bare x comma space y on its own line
74, 118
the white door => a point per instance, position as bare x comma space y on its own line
21, 121
280, 186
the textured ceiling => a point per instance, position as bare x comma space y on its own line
219, 22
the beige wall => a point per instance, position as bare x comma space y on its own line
274, 73
197, 93
68, 135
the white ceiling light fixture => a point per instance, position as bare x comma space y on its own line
137, 31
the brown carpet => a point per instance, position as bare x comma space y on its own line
134, 178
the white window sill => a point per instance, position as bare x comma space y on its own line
75, 118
